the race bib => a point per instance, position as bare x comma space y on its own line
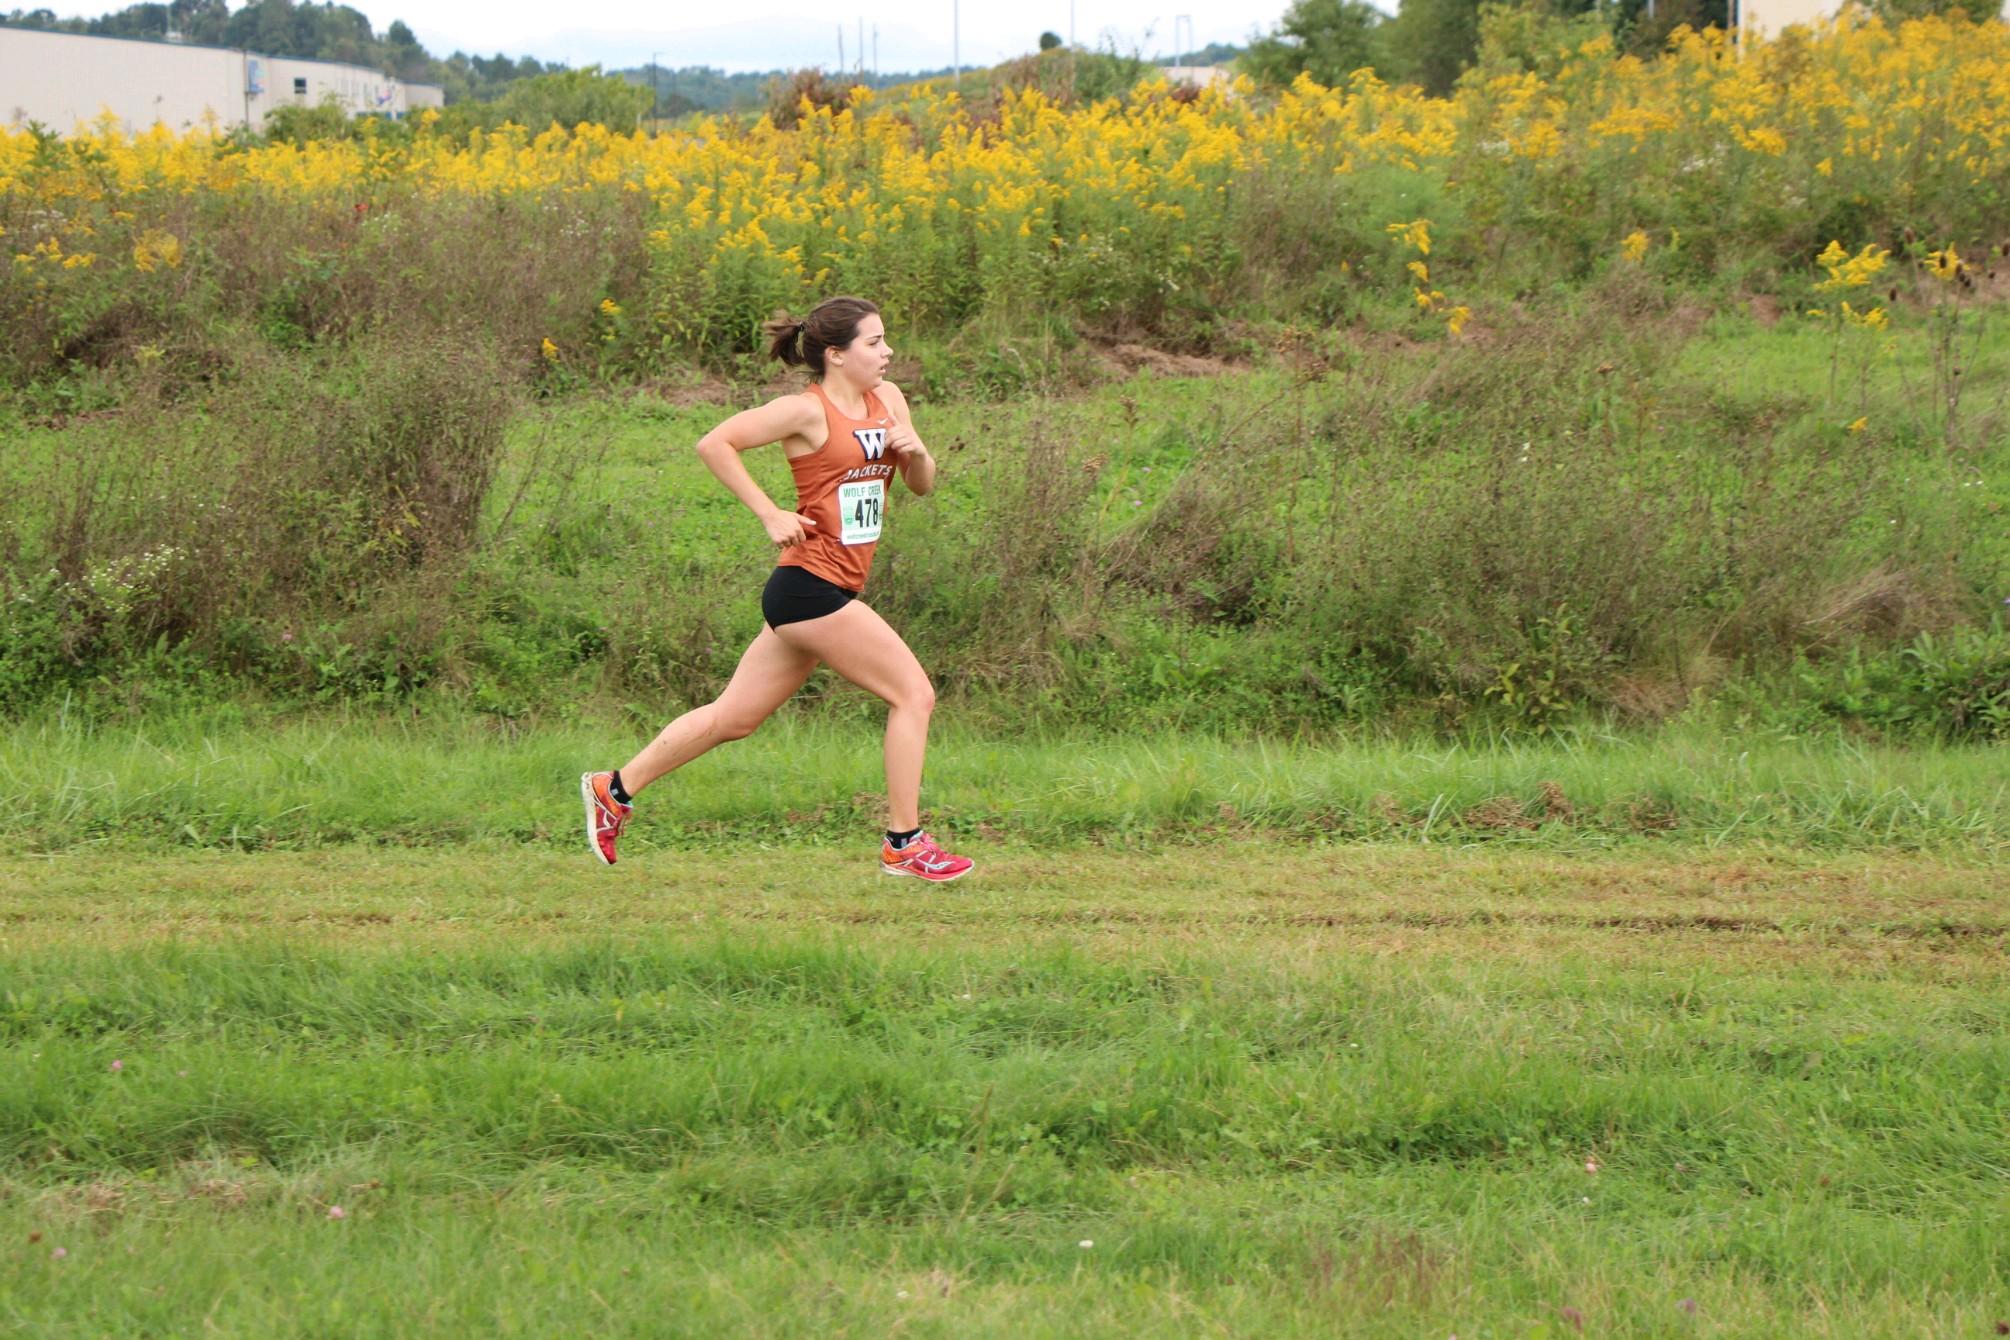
860, 508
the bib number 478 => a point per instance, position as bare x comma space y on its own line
861, 509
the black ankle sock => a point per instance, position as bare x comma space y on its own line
618, 791
897, 841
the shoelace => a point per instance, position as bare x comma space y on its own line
927, 855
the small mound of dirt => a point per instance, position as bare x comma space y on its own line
1556, 806
1164, 362
1499, 812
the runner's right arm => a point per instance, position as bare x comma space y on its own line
778, 420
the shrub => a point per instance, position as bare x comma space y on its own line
262, 531
788, 95
575, 97
1955, 686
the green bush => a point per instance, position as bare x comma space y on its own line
1565, 518
1955, 686
269, 534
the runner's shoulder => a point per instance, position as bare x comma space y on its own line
794, 418
803, 408
894, 399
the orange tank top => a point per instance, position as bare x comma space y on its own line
843, 486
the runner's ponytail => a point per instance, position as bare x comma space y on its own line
785, 339
831, 324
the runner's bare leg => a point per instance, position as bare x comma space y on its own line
769, 673
862, 647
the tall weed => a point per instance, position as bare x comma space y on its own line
1551, 518
283, 531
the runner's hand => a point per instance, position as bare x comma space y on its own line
786, 528
903, 441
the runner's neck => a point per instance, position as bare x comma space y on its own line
848, 411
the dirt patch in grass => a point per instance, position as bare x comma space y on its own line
1126, 359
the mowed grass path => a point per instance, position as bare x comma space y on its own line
1246, 1089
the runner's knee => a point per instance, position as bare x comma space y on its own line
917, 697
730, 723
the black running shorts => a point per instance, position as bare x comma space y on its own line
794, 594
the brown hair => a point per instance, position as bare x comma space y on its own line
831, 324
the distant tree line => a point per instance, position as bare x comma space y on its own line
1426, 42
1432, 42
336, 32
700, 88
681, 90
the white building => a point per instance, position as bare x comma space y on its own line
64, 80
1194, 76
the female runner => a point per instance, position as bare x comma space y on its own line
846, 437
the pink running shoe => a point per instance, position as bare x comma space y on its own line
605, 816
924, 860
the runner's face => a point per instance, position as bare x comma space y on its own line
864, 360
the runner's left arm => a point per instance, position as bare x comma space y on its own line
917, 467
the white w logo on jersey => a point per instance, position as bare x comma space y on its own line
873, 440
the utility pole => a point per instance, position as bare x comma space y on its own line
1071, 49
875, 50
956, 39
655, 98
840, 48
861, 46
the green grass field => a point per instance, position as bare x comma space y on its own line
239, 780
1284, 1002
1251, 1088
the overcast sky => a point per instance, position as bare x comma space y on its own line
774, 34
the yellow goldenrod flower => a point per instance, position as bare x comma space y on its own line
1858, 425
1847, 271
1416, 233
1886, 115
1456, 320
155, 248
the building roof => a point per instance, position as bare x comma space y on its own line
207, 46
